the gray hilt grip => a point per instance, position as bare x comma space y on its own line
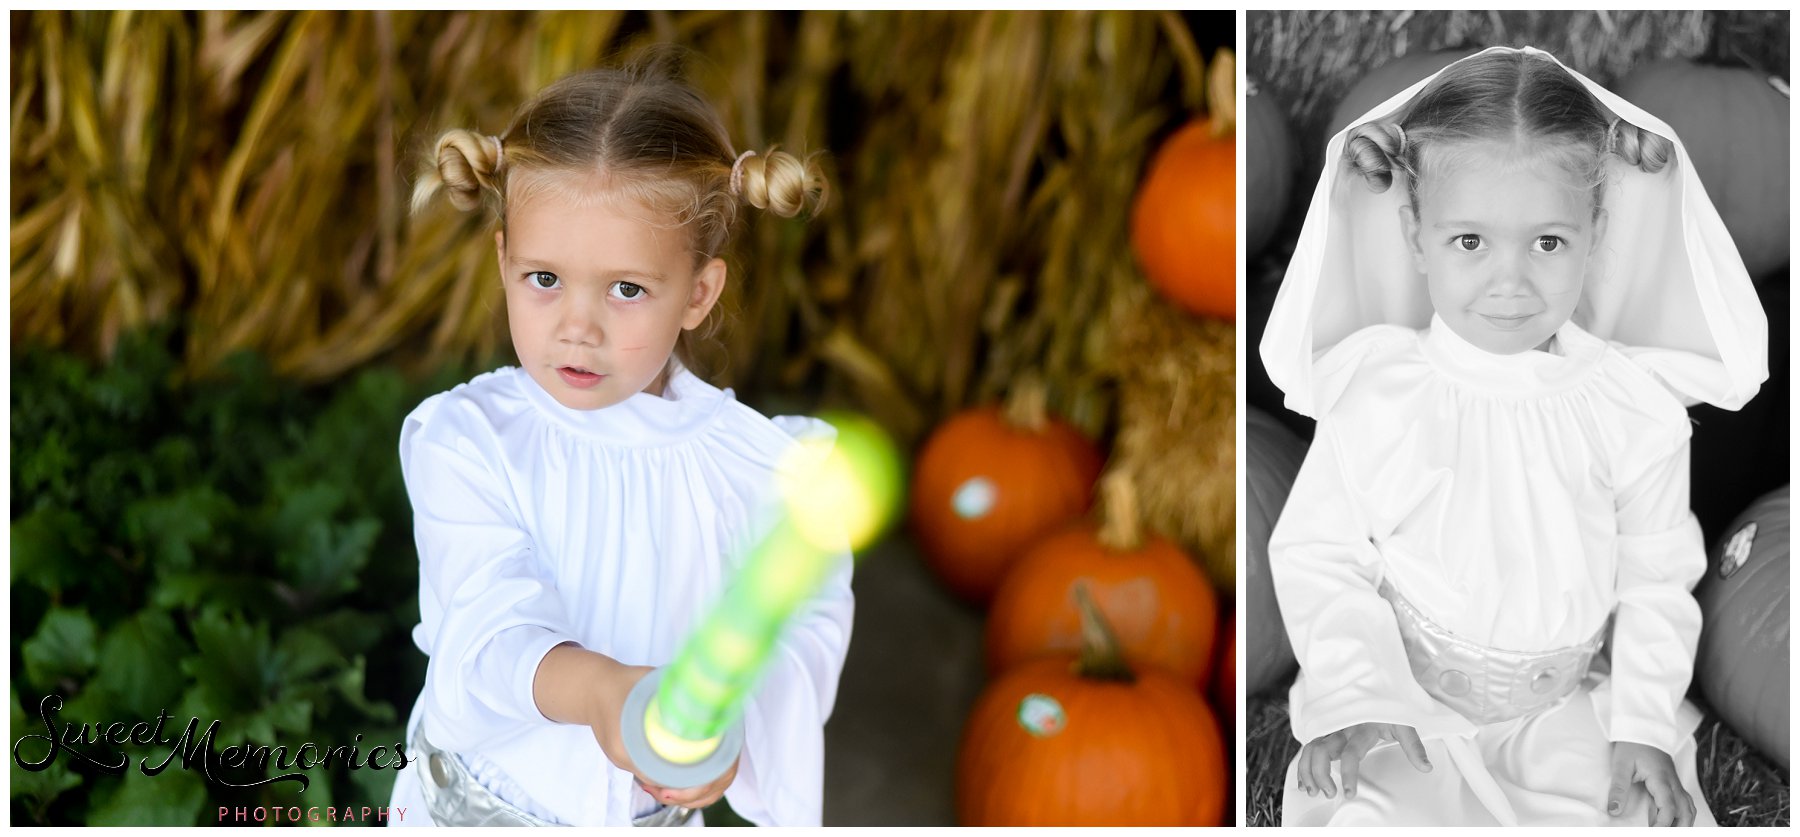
654, 767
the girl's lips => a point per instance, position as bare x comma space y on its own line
579, 378
1507, 322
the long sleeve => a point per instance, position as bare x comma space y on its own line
489, 613
1326, 574
1661, 555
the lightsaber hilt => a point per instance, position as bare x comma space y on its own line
641, 722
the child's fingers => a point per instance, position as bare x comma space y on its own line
1303, 768
673, 796
1668, 802
1621, 782
1350, 761
1662, 808
1349, 768
1660, 815
1320, 772
685, 800
1413, 747
699, 797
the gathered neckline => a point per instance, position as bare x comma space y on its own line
1532, 372
687, 405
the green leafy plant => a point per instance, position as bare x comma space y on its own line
237, 548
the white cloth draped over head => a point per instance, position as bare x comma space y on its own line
1666, 282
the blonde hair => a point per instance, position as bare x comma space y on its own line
652, 138
1510, 96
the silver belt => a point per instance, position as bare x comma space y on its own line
456, 798
1487, 685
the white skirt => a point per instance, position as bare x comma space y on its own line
1553, 767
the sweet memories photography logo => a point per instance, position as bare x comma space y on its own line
100, 747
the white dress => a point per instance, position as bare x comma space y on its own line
617, 529
1517, 501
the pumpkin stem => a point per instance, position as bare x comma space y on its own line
1100, 656
1221, 93
1121, 525
1027, 408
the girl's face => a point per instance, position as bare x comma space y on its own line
1504, 244
596, 295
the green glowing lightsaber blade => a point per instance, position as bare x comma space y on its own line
835, 498
705, 688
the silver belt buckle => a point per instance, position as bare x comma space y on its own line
1486, 685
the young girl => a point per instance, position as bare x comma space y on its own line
577, 515
1509, 283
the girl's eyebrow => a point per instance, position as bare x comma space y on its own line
1475, 225
626, 275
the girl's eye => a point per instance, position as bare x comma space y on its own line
1549, 244
1468, 242
626, 290
543, 280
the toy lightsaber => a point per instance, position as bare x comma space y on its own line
681, 722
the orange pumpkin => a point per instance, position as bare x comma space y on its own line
1742, 662
1161, 607
1184, 219
989, 482
1052, 743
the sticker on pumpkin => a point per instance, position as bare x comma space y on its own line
974, 498
1738, 550
1041, 715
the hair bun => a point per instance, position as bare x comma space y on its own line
1647, 150
465, 164
1376, 150
782, 183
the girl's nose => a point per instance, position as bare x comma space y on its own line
579, 321
1511, 277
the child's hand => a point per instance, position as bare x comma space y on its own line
1349, 745
1634, 763
577, 686
609, 732
697, 797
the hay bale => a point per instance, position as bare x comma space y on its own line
1177, 433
